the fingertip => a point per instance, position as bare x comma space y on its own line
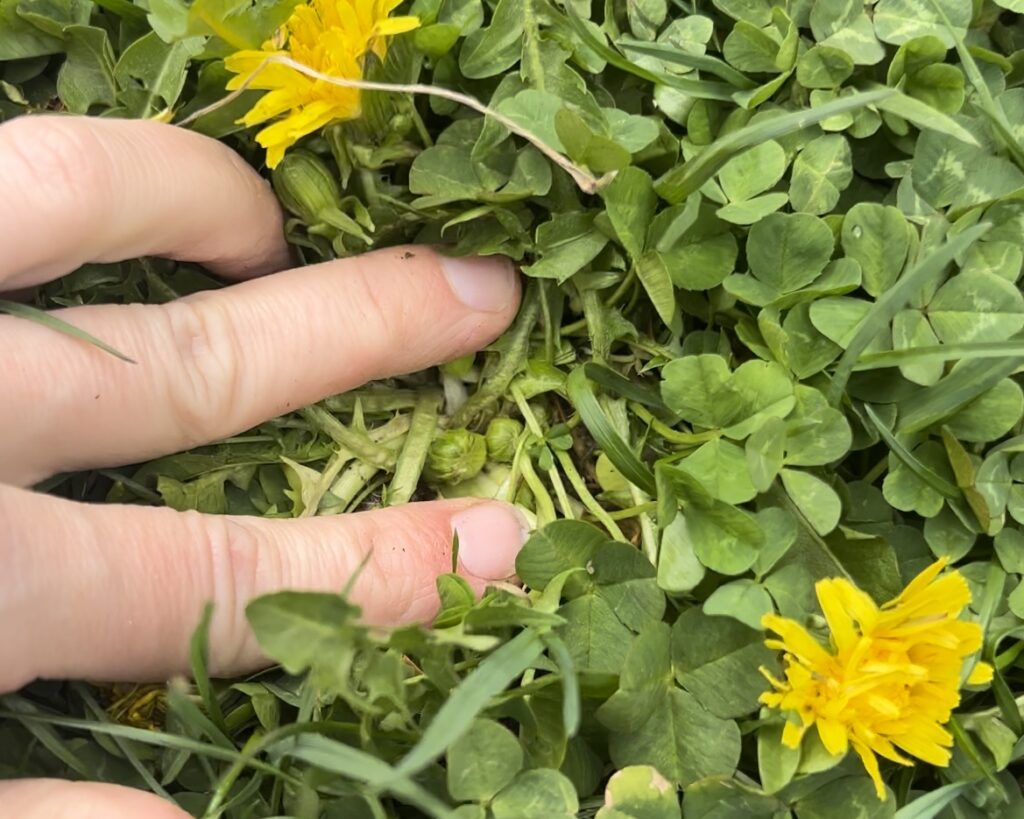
490, 535
488, 284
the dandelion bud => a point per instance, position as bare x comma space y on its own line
455, 455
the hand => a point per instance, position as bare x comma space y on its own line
112, 592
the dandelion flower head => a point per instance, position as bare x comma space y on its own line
890, 679
332, 37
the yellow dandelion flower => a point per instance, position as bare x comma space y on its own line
330, 36
890, 679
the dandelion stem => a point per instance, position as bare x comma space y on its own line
584, 180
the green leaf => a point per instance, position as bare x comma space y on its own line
653, 722
753, 171
496, 48
743, 600
821, 172
482, 761
788, 251
19, 40
878, 237
161, 69
536, 794
816, 500
976, 307
890, 303
653, 271
752, 49
567, 243
850, 796
823, 66
897, 21
87, 76
639, 792
630, 202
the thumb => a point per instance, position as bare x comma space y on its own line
113, 592
57, 799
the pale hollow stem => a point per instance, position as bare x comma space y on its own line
586, 498
545, 507
585, 181
648, 531
560, 493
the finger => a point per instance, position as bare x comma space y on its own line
80, 189
58, 799
217, 363
113, 592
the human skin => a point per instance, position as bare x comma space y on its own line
111, 592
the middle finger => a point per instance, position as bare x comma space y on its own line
219, 362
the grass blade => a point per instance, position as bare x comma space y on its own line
893, 300
571, 709
940, 352
936, 403
28, 313
929, 476
199, 650
470, 697
345, 760
701, 62
695, 88
594, 419
932, 804
684, 179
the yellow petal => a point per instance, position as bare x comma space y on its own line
833, 736
870, 762
796, 640
792, 734
921, 581
981, 674
840, 623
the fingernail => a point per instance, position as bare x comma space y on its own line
486, 283
490, 537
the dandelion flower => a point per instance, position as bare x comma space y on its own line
332, 37
890, 679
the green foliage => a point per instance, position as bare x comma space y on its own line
780, 342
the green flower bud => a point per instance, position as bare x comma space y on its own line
455, 455
502, 437
306, 186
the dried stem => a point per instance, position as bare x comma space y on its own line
584, 180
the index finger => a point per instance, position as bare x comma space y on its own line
79, 189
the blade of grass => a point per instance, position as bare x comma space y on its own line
940, 352
470, 697
344, 760
571, 709
684, 179
26, 713
143, 735
950, 394
699, 89
199, 651
932, 804
925, 117
623, 387
581, 394
701, 62
124, 746
929, 476
893, 300
29, 313
990, 106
